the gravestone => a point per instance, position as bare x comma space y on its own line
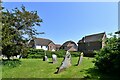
65, 63
18, 56
45, 58
54, 58
80, 59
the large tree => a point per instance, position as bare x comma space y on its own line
16, 25
108, 58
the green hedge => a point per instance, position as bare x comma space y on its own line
39, 53
35, 53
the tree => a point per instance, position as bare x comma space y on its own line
0, 37
108, 58
118, 32
16, 24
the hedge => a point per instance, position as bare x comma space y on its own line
39, 53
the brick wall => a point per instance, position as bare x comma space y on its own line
89, 47
51, 46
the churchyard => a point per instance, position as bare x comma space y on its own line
37, 68
24, 56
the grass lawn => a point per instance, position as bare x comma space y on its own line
36, 68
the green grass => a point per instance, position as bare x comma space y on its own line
36, 68
0, 69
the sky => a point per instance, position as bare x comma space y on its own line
63, 21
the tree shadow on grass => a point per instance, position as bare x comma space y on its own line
93, 73
11, 63
50, 62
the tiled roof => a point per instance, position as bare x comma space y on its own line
58, 45
66, 43
69, 45
42, 41
92, 38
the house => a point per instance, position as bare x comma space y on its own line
57, 47
41, 43
69, 46
90, 43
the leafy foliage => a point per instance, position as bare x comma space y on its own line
39, 53
108, 58
11, 63
16, 24
35, 53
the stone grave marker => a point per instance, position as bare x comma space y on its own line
45, 58
80, 59
54, 58
65, 63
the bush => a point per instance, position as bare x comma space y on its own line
60, 53
35, 53
11, 63
108, 58
39, 53
75, 54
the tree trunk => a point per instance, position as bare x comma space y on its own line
8, 57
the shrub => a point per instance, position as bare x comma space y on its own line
60, 53
35, 53
39, 53
11, 63
75, 54
108, 58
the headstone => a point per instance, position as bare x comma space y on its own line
45, 58
14, 57
80, 59
21, 56
54, 58
18, 56
66, 62
4, 57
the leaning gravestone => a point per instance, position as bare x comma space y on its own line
66, 62
45, 58
54, 58
80, 59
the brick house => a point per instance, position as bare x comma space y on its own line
41, 43
69, 46
90, 43
57, 47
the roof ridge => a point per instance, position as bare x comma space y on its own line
95, 34
43, 39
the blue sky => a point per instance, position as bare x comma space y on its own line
63, 21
